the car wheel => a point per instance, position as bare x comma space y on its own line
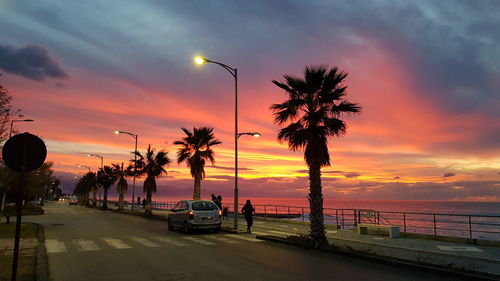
216, 230
186, 228
170, 226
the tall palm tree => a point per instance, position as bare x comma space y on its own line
106, 177
121, 185
312, 114
195, 150
151, 165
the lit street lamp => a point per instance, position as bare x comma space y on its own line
254, 134
17, 120
234, 73
135, 163
83, 166
102, 161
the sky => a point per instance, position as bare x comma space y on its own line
426, 74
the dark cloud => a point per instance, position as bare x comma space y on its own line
33, 62
323, 172
352, 175
397, 177
447, 175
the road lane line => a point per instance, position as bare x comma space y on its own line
115, 243
54, 246
222, 239
144, 241
83, 245
259, 233
246, 238
198, 240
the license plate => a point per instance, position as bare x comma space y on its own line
206, 218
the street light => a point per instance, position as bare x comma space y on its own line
18, 120
234, 73
135, 163
83, 166
254, 134
102, 160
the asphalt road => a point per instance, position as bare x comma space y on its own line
88, 244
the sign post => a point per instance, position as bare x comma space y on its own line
22, 153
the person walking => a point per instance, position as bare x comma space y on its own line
248, 212
138, 200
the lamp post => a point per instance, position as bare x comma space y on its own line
83, 166
17, 120
234, 73
135, 164
102, 161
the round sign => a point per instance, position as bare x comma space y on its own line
24, 152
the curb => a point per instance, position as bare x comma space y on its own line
42, 265
378, 258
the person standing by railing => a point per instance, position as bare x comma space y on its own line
248, 212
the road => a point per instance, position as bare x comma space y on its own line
89, 244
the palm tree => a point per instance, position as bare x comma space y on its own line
312, 114
195, 150
151, 165
106, 177
121, 186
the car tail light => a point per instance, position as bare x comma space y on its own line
191, 215
220, 213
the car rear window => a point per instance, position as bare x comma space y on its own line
204, 206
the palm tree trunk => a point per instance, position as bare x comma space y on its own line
149, 207
197, 187
94, 197
120, 202
315, 197
105, 204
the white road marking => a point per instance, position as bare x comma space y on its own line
259, 222
115, 243
259, 233
378, 238
284, 225
144, 242
222, 239
54, 246
242, 237
83, 245
171, 241
198, 240
331, 231
459, 248
280, 232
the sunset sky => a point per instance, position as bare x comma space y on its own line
426, 74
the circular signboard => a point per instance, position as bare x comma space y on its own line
24, 152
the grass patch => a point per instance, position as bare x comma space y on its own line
28, 230
26, 268
10, 210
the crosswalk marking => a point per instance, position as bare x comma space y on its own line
83, 245
243, 237
198, 240
115, 243
171, 241
144, 241
259, 233
222, 239
331, 231
54, 246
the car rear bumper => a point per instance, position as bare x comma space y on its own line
204, 225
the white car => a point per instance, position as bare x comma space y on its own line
195, 214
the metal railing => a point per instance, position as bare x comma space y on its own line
456, 225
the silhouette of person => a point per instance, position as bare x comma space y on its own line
218, 202
144, 203
138, 200
213, 197
248, 211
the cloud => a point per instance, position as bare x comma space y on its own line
447, 175
33, 62
228, 168
397, 177
352, 175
